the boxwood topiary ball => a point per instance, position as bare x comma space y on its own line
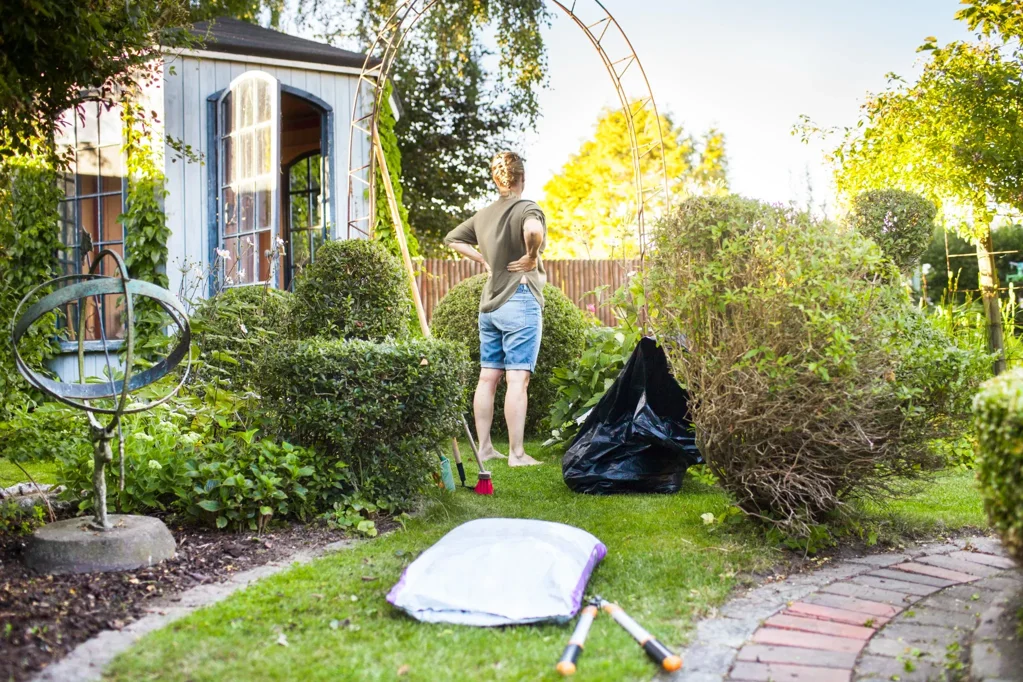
354, 289
456, 318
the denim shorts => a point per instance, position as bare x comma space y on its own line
510, 336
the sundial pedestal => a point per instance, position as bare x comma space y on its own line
75, 546
108, 542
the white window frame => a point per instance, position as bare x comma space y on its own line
269, 180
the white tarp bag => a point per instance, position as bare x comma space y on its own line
492, 572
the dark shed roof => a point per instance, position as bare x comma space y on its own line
242, 38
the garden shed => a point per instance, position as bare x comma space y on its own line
266, 116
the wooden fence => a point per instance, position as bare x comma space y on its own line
574, 277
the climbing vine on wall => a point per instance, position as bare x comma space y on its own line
29, 242
384, 228
144, 221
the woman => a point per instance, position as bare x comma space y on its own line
510, 235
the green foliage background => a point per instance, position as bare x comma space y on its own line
29, 242
998, 411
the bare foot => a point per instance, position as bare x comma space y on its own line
490, 453
522, 461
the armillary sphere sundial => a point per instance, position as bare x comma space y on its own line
117, 542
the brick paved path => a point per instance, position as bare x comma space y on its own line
928, 614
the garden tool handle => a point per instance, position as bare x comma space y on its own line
660, 654
566, 666
472, 444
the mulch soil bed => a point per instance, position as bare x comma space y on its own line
42, 618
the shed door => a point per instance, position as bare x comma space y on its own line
248, 123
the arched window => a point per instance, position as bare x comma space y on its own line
248, 151
271, 178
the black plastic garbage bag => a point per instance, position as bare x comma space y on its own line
638, 438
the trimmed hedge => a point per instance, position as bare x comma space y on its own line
901, 223
377, 409
354, 289
998, 419
234, 329
456, 318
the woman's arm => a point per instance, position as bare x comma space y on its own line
469, 252
532, 233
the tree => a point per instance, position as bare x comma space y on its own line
457, 113
993, 17
954, 136
590, 204
56, 54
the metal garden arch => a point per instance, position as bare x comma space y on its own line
605, 35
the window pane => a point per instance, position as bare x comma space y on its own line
299, 211
228, 160
314, 201
298, 177
264, 214
230, 211
89, 218
111, 231
248, 163
300, 253
247, 209
229, 264
264, 157
244, 93
226, 115
264, 263
88, 171
110, 126
315, 162
87, 127
246, 270
318, 237
263, 107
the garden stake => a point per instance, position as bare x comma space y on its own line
660, 654
485, 486
566, 666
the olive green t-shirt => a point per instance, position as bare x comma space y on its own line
497, 231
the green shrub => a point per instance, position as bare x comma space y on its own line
43, 433
901, 223
234, 481
355, 289
233, 330
29, 243
456, 318
998, 420
18, 520
813, 380
582, 383
379, 411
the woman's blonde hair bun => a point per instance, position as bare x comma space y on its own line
508, 170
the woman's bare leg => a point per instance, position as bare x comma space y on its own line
515, 403
483, 410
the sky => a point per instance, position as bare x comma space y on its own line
747, 67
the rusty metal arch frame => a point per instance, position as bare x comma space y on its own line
376, 72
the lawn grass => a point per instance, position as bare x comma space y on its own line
664, 565
42, 472
949, 502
